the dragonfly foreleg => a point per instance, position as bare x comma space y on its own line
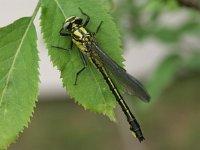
64, 34
87, 19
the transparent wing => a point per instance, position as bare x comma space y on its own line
132, 85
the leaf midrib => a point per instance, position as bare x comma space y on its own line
60, 8
14, 61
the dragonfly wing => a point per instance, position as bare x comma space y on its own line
132, 85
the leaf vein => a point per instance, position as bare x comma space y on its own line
60, 8
14, 61
97, 83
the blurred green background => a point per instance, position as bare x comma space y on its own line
169, 121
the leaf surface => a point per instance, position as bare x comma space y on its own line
164, 75
92, 91
18, 78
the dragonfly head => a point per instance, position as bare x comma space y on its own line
71, 23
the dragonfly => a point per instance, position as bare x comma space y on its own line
75, 27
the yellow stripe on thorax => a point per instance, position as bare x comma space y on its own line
79, 32
83, 30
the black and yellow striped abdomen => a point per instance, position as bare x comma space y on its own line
134, 126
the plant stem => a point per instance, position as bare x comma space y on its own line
189, 3
36, 10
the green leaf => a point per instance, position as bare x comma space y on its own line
161, 5
107, 4
163, 75
193, 62
18, 78
91, 92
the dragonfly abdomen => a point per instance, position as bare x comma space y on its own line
134, 125
86, 42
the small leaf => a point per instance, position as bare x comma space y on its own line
107, 4
193, 63
163, 75
18, 78
91, 91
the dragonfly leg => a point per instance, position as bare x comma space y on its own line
97, 30
84, 67
64, 33
69, 48
87, 19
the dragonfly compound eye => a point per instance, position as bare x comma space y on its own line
67, 26
78, 20
68, 23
